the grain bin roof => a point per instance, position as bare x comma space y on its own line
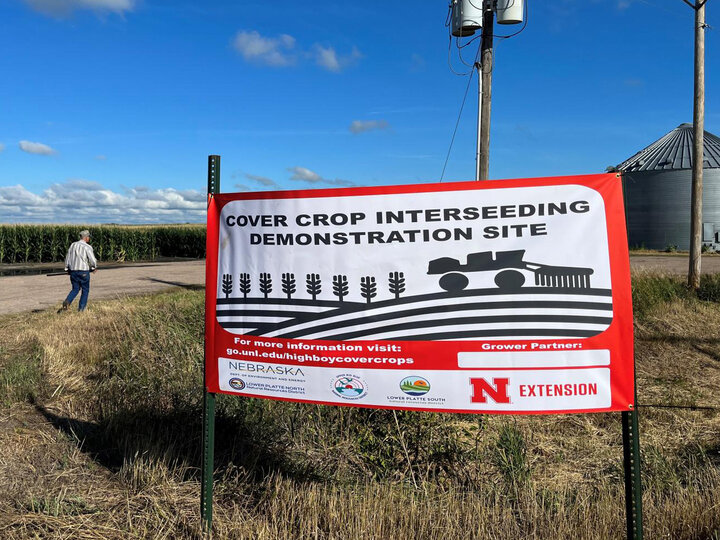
674, 151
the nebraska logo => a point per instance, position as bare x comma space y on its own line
497, 390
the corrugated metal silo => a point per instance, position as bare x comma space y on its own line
657, 183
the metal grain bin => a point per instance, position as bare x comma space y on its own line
657, 184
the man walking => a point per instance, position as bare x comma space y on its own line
79, 262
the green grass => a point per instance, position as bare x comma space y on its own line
20, 372
650, 292
58, 506
510, 455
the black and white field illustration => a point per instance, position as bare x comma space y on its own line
490, 295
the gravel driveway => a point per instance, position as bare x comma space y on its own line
40, 292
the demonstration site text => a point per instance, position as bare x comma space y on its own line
402, 217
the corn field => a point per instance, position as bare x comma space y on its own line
49, 243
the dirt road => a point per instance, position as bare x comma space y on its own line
673, 264
39, 292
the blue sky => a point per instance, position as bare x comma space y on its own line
110, 107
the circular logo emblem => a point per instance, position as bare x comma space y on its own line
415, 386
237, 384
349, 387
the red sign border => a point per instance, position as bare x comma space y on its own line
620, 331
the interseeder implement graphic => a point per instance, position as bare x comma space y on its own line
507, 264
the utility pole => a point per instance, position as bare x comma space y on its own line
698, 133
466, 17
485, 68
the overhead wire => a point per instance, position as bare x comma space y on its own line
457, 122
450, 61
448, 22
460, 56
447, 25
525, 23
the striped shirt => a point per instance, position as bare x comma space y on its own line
80, 256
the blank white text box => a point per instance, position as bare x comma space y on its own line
533, 359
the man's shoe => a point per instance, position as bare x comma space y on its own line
64, 307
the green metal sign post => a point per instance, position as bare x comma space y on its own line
633, 482
630, 433
208, 427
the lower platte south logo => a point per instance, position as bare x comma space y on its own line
237, 384
415, 386
349, 387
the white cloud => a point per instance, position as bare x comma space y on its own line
18, 195
329, 59
282, 51
262, 180
263, 50
305, 175
417, 62
2, 147
36, 148
57, 8
101, 157
86, 201
361, 126
301, 174
634, 82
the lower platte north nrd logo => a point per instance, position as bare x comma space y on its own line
237, 384
496, 390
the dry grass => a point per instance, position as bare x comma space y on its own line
104, 443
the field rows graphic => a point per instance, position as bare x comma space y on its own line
532, 312
561, 304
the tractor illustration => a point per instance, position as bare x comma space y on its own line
509, 276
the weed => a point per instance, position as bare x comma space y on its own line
709, 287
651, 291
510, 455
59, 505
20, 373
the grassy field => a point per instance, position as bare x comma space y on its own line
100, 436
49, 243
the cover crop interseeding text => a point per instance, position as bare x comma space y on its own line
411, 220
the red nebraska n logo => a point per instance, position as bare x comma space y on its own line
497, 391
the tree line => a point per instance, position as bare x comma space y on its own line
313, 285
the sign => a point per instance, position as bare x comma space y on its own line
485, 297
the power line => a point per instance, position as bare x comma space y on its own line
526, 16
450, 61
457, 122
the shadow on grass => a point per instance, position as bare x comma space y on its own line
174, 440
669, 338
707, 352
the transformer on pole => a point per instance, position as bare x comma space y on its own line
467, 17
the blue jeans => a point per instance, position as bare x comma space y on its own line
79, 279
